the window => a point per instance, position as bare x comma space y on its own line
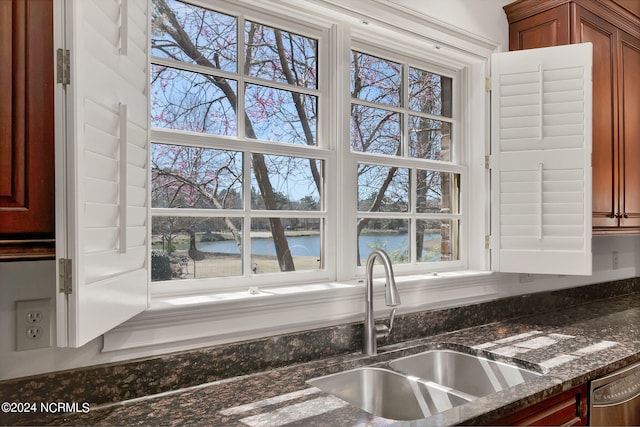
237, 161
408, 174
239, 153
251, 115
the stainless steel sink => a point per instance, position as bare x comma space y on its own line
388, 394
422, 385
472, 375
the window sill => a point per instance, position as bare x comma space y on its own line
184, 322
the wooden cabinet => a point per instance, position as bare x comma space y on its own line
26, 130
568, 408
613, 27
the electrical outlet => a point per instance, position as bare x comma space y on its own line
614, 260
33, 324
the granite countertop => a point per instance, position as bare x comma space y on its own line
569, 346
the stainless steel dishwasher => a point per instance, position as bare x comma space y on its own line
615, 399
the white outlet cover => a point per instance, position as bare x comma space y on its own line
33, 315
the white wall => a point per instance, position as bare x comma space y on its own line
34, 280
485, 18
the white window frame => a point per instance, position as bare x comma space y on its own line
340, 162
244, 314
457, 165
323, 151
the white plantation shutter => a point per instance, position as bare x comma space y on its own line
541, 160
107, 161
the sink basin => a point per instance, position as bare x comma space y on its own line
473, 375
388, 394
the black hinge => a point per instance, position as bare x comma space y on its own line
63, 66
64, 275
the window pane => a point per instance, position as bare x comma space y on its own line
191, 247
281, 56
280, 115
375, 80
192, 177
437, 240
285, 183
383, 189
195, 35
192, 102
437, 192
390, 235
298, 250
374, 130
429, 139
430, 93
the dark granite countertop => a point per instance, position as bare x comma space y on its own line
569, 346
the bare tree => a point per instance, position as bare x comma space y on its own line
208, 103
166, 21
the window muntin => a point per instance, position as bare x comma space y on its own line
391, 210
222, 106
408, 184
430, 96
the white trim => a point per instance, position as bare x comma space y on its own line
63, 124
388, 17
188, 321
226, 143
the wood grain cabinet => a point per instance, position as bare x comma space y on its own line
26, 130
613, 27
568, 408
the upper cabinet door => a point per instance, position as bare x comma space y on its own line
26, 131
541, 160
107, 167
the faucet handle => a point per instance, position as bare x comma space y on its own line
383, 331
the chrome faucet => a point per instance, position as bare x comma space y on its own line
392, 298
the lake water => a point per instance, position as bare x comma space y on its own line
310, 245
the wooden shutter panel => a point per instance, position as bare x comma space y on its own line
107, 166
541, 168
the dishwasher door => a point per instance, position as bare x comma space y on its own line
615, 399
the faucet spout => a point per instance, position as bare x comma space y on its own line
392, 299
